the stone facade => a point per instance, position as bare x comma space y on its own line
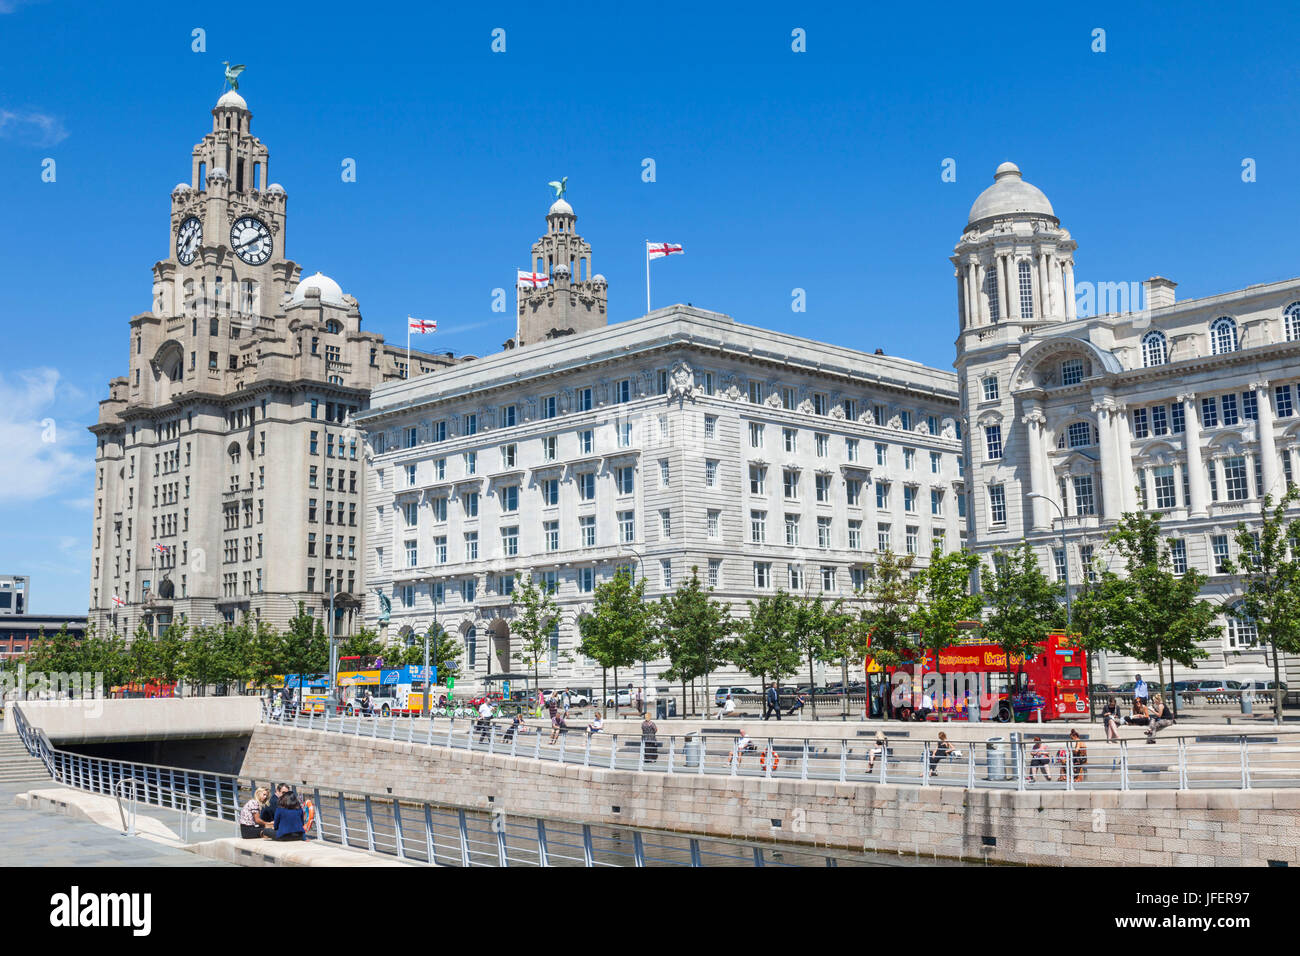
574, 300
226, 449
680, 440
1189, 408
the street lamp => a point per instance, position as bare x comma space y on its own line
640, 563
1064, 551
433, 594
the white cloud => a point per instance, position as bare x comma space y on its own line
42, 457
31, 129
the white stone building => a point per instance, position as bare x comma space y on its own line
675, 441
1189, 408
228, 477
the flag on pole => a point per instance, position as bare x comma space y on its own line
118, 602
421, 326
534, 279
657, 250
162, 549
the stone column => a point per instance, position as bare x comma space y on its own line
1216, 462
1034, 421
1069, 290
1044, 288
1058, 308
962, 321
1013, 288
981, 296
1178, 483
1197, 485
1111, 500
1124, 458
1274, 484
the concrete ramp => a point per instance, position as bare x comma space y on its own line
96, 721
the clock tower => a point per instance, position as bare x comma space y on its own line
229, 477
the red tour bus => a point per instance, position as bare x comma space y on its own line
1052, 682
150, 690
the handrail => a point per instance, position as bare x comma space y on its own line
434, 833
1171, 762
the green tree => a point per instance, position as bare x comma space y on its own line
1269, 567
266, 658
843, 638
810, 626
768, 645
692, 631
618, 632
945, 600
533, 623
1023, 606
201, 656
305, 646
1157, 614
364, 643
889, 605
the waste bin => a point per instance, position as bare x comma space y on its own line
995, 759
973, 711
692, 750
661, 708
1247, 703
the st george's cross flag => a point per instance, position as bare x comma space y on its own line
533, 279
118, 602
657, 250
421, 326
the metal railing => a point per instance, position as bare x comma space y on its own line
419, 832
1016, 763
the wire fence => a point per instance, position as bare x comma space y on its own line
1020, 761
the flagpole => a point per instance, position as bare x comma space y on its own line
647, 276
408, 348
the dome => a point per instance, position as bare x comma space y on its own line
1010, 196
275, 188
598, 279
231, 100
561, 269
330, 292
180, 188
560, 208
218, 173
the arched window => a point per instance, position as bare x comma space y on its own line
1242, 631
1223, 336
1155, 349
471, 647
1026, 290
1081, 434
1291, 322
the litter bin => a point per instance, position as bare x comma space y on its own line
995, 759
691, 750
973, 711
1247, 703
661, 708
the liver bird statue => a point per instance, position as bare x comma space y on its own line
232, 73
559, 187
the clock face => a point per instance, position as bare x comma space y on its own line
251, 240
188, 239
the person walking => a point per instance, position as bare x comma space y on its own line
771, 703
484, 720
640, 701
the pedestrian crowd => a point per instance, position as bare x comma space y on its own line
278, 815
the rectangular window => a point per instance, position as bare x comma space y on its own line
762, 575
587, 531
439, 506
583, 400
469, 590
789, 398
627, 526
624, 430
790, 483
1159, 421
469, 501
758, 527
882, 537
1178, 555
440, 549
823, 486
471, 462
790, 439
882, 454
755, 393
882, 495
913, 539
439, 431
1249, 407
666, 572
1086, 559
586, 580
1228, 405
510, 541
1214, 482
1083, 497
990, 383
1234, 478
711, 473
710, 427
792, 531
1058, 562
1209, 413
909, 499
1166, 491
471, 545
993, 441
1282, 400
855, 535
909, 459
664, 474
623, 391
997, 504
665, 523
936, 501
509, 455
508, 416
1141, 426
936, 463
823, 444
852, 492
1072, 371
551, 534
586, 486
851, 449
412, 554
795, 577
757, 479
548, 406
549, 448
715, 572
755, 435
714, 525
626, 479
510, 499
824, 533
906, 419
1177, 421
1219, 546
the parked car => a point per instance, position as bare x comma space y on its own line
1125, 688
1258, 684
624, 698
1216, 686
720, 696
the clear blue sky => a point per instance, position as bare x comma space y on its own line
775, 169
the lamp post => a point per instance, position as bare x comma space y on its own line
640, 564
1064, 551
424, 706
334, 669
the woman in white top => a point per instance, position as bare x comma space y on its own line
728, 708
596, 725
